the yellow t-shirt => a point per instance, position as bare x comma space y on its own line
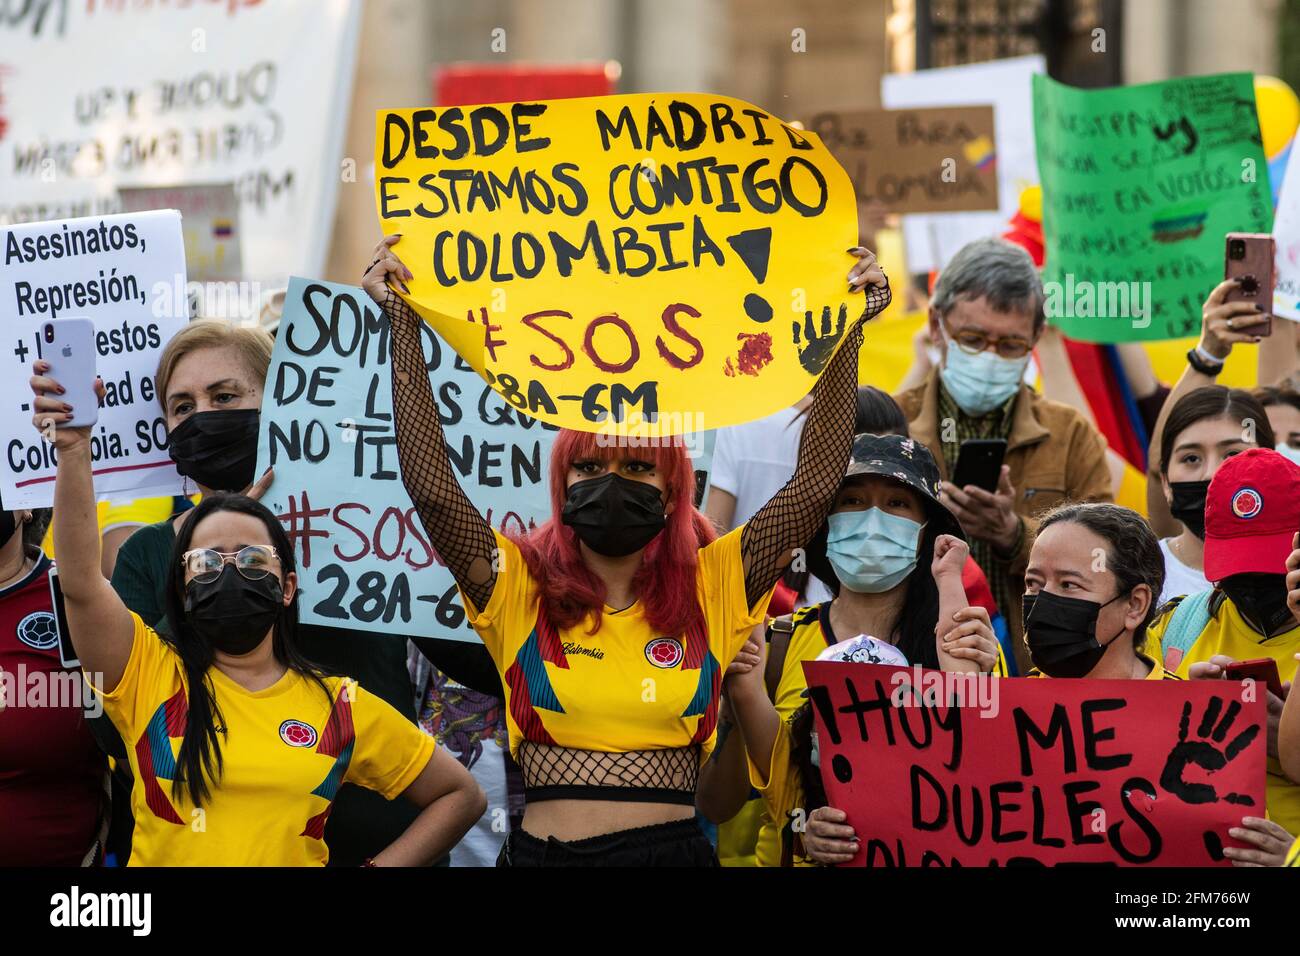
130, 514
625, 687
1158, 671
783, 791
1293, 854
286, 751
1228, 633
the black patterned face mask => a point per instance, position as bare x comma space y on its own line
613, 515
217, 449
232, 613
1188, 504
1261, 599
1062, 633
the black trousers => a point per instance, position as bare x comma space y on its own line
680, 843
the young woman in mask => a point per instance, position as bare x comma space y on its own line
894, 555
1082, 620
1204, 429
1252, 512
612, 623
52, 774
265, 738
210, 380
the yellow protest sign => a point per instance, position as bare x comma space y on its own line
650, 263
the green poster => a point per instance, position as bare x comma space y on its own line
1140, 184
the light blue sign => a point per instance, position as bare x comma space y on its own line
364, 561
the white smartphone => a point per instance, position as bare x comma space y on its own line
69, 346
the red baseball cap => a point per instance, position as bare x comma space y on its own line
1252, 513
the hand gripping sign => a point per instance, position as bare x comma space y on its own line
624, 262
941, 769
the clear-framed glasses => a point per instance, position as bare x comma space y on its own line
974, 341
205, 565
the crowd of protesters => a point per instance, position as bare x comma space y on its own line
832, 530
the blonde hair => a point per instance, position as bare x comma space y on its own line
253, 344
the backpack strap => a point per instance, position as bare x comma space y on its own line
1186, 622
779, 631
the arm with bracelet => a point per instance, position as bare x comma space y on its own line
1220, 321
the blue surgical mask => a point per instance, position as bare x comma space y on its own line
980, 383
1288, 452
871, 551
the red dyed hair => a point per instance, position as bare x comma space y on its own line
569, 591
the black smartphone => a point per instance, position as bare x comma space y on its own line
67, 655
979, 463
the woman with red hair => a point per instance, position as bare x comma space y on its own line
612, 624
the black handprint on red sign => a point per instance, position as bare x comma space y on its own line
816, 347
1206, 753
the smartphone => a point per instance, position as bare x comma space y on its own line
1249, 257
979, 463
69, 346
1262, 670
67, 654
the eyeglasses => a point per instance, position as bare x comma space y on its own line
205, 565
973, 342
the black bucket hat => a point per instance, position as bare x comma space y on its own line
903, 460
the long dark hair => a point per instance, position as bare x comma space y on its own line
1132, 552
1213, 401
199, 760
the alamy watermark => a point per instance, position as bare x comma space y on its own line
660, 430
48, 689
1084, 299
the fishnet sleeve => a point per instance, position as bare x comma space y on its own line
460, 535
794, 513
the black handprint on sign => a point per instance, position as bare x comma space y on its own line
1205, 753
818, 346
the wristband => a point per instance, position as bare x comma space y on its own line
1203, 362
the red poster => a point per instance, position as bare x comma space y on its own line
939, 769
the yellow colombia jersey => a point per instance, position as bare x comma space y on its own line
783, 791
1158, 671
624, 687
1227, 633
1293, 854
286, 751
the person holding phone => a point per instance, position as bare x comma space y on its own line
210, 381
265, 737
986, 315
1227, 319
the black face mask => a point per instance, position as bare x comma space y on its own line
8, 525
1188, 504
1261, 599
1062, 633
217, 449
613, 515
233, 613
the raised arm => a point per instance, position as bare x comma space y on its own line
460, 535
794, 513
101, 626
1217, 339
